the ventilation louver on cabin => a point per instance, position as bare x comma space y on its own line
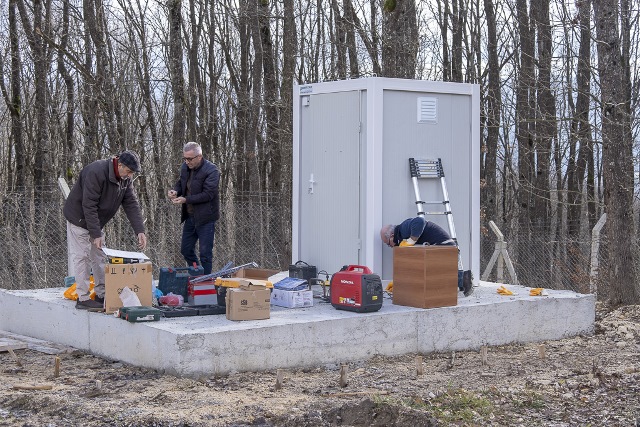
427, 110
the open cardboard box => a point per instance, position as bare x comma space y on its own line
249, 301
255, 273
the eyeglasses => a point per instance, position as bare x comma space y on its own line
189, 159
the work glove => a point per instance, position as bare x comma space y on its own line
504, 291
536, 292
389, 287
407, 242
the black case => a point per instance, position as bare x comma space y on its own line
302, 270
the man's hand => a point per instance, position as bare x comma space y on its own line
172, 194
142, 241
179, 200
407, 242
98, 242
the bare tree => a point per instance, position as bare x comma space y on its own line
399, 39
525, 130
545, 130
617, 154
69, 146
494, 105
176, 64
13, 100
41, 62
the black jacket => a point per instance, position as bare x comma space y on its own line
96, 197
204, 195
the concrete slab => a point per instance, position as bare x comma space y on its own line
303, 337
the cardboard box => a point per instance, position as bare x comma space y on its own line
248, 302
234, 282
425, 276
255, 273
292, 299
137, 277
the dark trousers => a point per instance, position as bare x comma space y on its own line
203, 234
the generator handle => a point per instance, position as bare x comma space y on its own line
364, 268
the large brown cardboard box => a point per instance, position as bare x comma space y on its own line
248, 302
137, 277
425, 276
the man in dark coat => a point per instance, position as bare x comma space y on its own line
419, 231
103, 186
197, 191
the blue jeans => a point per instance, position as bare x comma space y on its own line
203, 234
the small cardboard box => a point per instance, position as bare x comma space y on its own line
137, 277
248, 302
292, 299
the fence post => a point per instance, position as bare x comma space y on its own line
595, 250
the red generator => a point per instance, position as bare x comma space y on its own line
356, 288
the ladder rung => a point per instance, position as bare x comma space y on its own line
435, 202
425, 168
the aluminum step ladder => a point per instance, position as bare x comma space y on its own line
429, 168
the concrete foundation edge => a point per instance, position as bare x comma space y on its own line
301, 344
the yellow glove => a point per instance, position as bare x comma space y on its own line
407, 242
536, 292
389, 287
504, 291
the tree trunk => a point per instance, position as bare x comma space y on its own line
443, 22
175, 65
69, 147
525, 137
40, 69
289, 50
494, 106
581, 143
399, 39
617, 155
457, 18
89, 96
546, 131
339, 41
14, 104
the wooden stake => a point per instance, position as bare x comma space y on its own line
453, 359
343, 375
32, 387
278, 379
56, 367
541, 351
483, 353
419, 367
15, 356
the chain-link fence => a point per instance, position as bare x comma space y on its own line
539, 261
33, 240
252, 227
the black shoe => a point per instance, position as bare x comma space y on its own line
99, 299
467, 283
89, 304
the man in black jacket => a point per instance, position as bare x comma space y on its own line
197, 191
422, 232
103, 186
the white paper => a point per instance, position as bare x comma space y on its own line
124, 254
